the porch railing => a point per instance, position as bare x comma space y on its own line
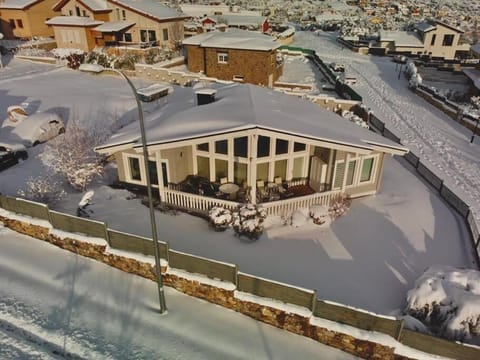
202, 204
285, 207
194, 202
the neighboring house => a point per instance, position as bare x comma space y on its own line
431, 38
26, 18
244, 22
235, 55
85, 24
269, 144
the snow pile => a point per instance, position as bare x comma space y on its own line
447, 301
300, 218
63, 53
349, 115
320, 214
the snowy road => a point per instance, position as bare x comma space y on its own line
55, 304
439, 141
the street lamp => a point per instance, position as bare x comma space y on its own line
93, 68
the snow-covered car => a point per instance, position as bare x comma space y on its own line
34, 129
10, 157
401, 59
337, 67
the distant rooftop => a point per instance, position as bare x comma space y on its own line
233, 39
151, 8
16, 4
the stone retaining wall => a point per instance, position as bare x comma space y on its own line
291, 322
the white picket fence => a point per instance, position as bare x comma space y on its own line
280, 207
285, 207
195, 202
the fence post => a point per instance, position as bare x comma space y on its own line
314, 301
400, 330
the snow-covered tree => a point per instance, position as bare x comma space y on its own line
447, 301
71, 155
44, 189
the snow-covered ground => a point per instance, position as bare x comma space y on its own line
55, 305
441, 143
374, 253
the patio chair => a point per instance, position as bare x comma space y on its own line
278, 181
223, 180
220, 194
262, 194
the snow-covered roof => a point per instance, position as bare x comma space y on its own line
425, 26
16, 4
96, 5
73, 21
401, 38
240, 20
474, 75
245, 106
114, 26
233, 39
150, 8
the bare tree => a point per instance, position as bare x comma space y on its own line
72, 155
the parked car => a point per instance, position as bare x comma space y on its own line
401, 59
10, 157
33, 129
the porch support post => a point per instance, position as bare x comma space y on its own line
346, 160
252, 156
161, 185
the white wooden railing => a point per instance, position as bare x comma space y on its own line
285, 207
281, 207
195, 202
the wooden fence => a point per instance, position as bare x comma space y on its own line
304, 298
194, 202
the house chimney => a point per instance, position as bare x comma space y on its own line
205, 96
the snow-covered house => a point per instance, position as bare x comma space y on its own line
234, 55
266, 146
26, 18
431, 37
85, 24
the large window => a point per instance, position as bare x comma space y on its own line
203, 147
152, 170
298, 167
299, 147
165, 34
134, 167
281, 147
221, 147
203, 166
262, 171
127, 37
221, 169
263, 147
448, 40
12, 23
351, 172
339, 173
240, 147
367, 170
434, 37
239, 173
280, 169
147, 35
20, 23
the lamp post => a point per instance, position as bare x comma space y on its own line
158, 270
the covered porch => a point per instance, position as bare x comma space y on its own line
281, 171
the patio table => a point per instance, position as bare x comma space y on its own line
230, 189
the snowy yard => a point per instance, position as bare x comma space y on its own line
368, 258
